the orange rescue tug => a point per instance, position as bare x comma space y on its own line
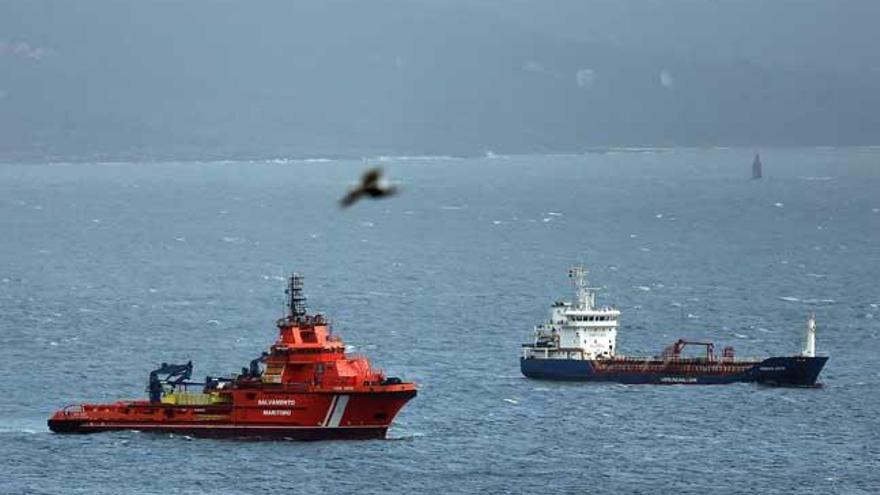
304, 388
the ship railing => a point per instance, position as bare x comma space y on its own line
533, 351
716, 359
551, 353
73, 410
294, 386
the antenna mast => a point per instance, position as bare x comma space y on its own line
583, 292
296, 301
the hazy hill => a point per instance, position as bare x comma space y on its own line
234, 79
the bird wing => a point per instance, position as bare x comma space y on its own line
350, 198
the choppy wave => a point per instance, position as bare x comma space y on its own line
813, 301
411, 158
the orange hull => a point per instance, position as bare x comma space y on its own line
297, 415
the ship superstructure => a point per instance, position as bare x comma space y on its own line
304, 387
579, 342
577, 329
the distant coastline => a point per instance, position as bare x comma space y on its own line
192, 157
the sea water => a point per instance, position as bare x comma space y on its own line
108, 269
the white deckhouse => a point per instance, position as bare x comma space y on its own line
576, 330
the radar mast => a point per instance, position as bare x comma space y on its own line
296, 301
584, 294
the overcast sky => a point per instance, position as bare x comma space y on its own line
354, 77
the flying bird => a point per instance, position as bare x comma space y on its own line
371, 186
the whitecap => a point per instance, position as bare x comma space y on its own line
546, 219
642, 287
789, 299
29, 431
554, 214
511, 401
411, 158
496, 222
741, 336
779, 205
811, 301
404, 436
453, 207
368, 224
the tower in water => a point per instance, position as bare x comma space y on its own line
756, 167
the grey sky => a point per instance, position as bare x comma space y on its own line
350, 77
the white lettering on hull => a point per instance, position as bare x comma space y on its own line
276, 402
276, 412
677, 379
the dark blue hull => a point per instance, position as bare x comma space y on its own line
794, 371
